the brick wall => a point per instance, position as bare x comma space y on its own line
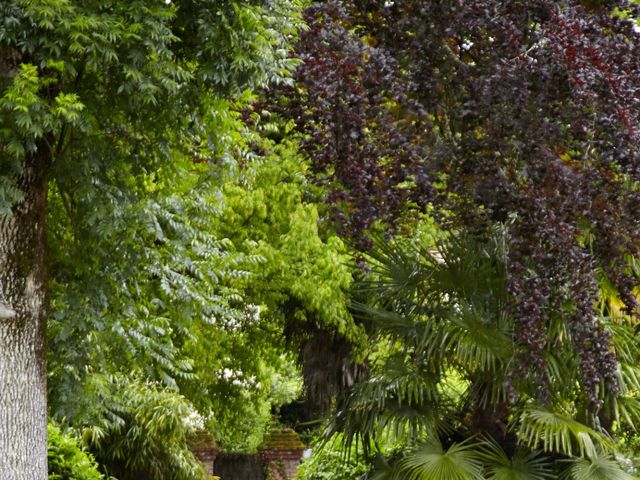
282, 463
208, 458
279, 455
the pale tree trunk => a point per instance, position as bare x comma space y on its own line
23, 403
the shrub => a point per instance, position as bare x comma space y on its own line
144, 434
67, 461
329, 463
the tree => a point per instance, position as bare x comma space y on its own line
88, 90
520, 113
442, 345
510, 114
192, 283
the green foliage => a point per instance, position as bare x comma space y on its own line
142, 431
521, 466
596, 467
295, 275
137, 110
559, 433
250, 47
187, 275
270, 210
328, 462
67, 460
433, 462
441, 351
137, 105
95, 86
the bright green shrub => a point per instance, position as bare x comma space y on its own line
143, 433
329, 463
67, 461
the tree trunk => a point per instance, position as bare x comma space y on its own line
23, 402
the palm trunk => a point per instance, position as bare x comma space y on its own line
23, 403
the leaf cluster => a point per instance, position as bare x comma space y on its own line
66, 458
440, 380
520, 113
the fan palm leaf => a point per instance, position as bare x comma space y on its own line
559, 433
522, 466
432, 462
478, 343
598, 467
400, 401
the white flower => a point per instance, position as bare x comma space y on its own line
194, 421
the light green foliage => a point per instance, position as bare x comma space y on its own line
329, 462
112, 79
295, 274
67, 460
24, 118
141, 430
270, 210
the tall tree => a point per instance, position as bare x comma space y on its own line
88, 89
492, 111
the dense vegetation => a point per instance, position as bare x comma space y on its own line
412, 221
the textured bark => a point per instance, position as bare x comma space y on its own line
23, 414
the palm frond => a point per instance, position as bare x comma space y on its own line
627, 410
598, 467
624, 336
402, 402
478, 342
559, 433
397, 271
522, 466
432, 462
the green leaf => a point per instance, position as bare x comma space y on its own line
597, 467
460, 461
559, 433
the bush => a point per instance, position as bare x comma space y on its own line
328, 463
144, 434
67, 461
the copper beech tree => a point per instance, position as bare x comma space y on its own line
519, 112
515, 115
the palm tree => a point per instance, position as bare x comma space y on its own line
445, 380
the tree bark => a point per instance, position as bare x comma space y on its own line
23, 402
